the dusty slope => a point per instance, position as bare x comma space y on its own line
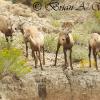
80, 84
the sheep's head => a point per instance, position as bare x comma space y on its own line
67, 32
67, 35
11, 28
11, 24
18, 27
64, 37
67, 25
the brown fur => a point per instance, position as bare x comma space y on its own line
94, 45
36, 40
5, 27
67, 25
65, 40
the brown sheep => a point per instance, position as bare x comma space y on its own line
67, 25
6, 27
36, 39
65, 40
94, 45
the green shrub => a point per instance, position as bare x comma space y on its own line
18, 42
81, 32
55, 14
79, 53
76, 37
91, 25
55, 23
3, 43
12, 62
50, 42
97, 15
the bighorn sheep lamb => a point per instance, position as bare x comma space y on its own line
65, 40
6, 28
36, 39
94, 45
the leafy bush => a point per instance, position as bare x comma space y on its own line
97, 15
50, 42
76, 37
12, 62
55, 23
92, 25
82, 32
55, 14
79, 53
3, 43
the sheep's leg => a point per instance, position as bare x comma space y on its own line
95, 58
37, 56
58, 46
33, 55
65, 57
6, 38
71, 59
26, 49
40, 59
89, 56
11, 38
43, 56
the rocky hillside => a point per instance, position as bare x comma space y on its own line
53, 83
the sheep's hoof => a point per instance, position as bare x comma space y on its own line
54, 64
71, 68
96, 68
43, 63
35, 66
41, 68
65, 65
26, 56
89, 66
64, 68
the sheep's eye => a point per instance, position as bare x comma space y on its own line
15, 28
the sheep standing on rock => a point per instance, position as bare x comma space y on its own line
94, 45
6, 27
65, 40
36, 39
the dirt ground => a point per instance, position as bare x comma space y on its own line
53, 83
